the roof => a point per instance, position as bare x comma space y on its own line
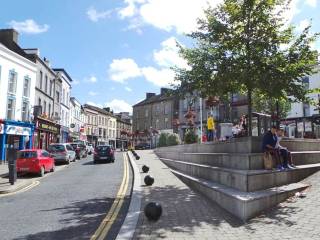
64, 71
100, 110
154, 99
34, 57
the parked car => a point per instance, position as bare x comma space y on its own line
142, 146
103, 153
90, 148
35, 161
62, 152
80, 149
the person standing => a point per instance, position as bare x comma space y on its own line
210, 127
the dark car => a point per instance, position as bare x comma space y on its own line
103, 153
80, 149
142, 146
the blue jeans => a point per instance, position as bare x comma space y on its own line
210, 135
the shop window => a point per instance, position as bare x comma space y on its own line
26, 87
10, 108
24, 112
12, 86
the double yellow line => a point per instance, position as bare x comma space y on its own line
107, 222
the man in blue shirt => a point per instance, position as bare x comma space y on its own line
269, 145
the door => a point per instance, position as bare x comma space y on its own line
46, 160
71, 152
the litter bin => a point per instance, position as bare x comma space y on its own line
12, 164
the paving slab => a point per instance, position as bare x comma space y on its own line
189, 215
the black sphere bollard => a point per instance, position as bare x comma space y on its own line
145, 169
153, 211
137, 157
148, 180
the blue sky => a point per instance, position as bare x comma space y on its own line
116, 50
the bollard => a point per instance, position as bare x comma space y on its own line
137, 157
12, 160
153, 211
148, 180
145, 169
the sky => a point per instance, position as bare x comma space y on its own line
117, 50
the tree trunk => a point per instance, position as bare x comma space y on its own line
278, 114
249, 113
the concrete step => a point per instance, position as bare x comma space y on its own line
243, 180
241, 161
241, 204
243, 145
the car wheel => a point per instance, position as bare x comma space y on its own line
53, 168
41, 174
94, 162
68, 161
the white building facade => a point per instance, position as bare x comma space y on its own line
76, 122
17, 91
64, 103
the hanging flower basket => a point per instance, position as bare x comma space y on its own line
190, 114
212, 101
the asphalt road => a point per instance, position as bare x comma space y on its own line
68, 204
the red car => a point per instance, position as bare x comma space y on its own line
35, 161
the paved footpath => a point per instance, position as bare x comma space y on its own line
188, 215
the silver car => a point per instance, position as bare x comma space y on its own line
62, 152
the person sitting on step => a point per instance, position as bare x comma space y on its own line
269, 145
283, 151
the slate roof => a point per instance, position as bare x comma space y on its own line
154, 99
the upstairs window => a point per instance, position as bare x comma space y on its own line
12, 86
26, 87
24, 112
11, 105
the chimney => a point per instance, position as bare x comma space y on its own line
164, 91
46, 61
107, 109
9, 36
149, 95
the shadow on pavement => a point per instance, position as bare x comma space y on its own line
82, 220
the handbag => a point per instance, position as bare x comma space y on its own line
267, 161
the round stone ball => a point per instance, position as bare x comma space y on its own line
148, 180
153, 211
137, 157
145, 169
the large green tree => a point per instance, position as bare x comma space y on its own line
246, 46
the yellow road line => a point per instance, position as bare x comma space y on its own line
34, 184
107, 222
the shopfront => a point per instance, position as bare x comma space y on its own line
46, 132
14, 134
64, 134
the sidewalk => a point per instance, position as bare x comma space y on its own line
6, 187
188, 215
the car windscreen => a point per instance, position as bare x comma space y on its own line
74, 145
103, 148
28, 154
56, 148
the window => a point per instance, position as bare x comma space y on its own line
49, 110
12, 87
26, 87
46, 84
39, 102
10, 108
146, 113
50, 89
58, 97
99, 120
24, 112
166, 109
69, 148
41, 76
44, 106
63, 96
45, 154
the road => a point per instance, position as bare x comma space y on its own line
68, 204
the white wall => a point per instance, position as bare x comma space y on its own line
65, 99
23, 67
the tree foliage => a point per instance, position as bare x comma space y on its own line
246, 46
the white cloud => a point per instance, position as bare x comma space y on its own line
303, 24
119, 106
75, 82
29, 26
291, 11
128, 89
95, 16
168, 56
162, 78
178, 15
123, 69
92, 93
311, 3
91, 79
